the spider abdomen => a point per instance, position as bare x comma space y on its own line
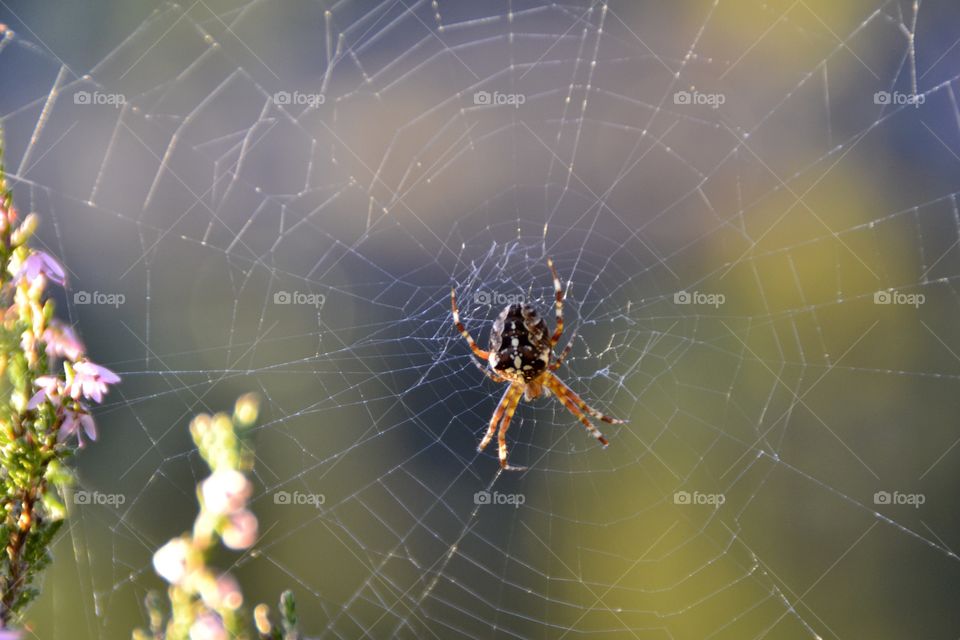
520, 343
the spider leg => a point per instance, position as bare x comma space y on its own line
572, 408
487, 372
497, 415
558, 290
502, 436
557, 386
477, 351
563, 354
563, 396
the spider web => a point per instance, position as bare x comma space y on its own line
284, 193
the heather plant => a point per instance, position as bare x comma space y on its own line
204, 603
47, 384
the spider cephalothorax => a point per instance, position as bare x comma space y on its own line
521, 354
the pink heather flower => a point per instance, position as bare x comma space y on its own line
226, 492
62, 342
240, 531
50, 389
170, 560
208, 626
222, 593
78, 423
9, 634
40, 262
90, 381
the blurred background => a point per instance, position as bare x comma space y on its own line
754, 205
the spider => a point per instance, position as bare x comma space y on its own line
521, 354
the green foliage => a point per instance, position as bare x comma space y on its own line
288, 616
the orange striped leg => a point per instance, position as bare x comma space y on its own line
490, 373
477, 351
502, 436
495, 420
563, 354
572, 408
558, 385
558, 290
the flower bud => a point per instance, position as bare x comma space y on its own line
208, 626
27, 229
170, 561
222, 593
246, 410
240, 532
261, 616
225, 492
